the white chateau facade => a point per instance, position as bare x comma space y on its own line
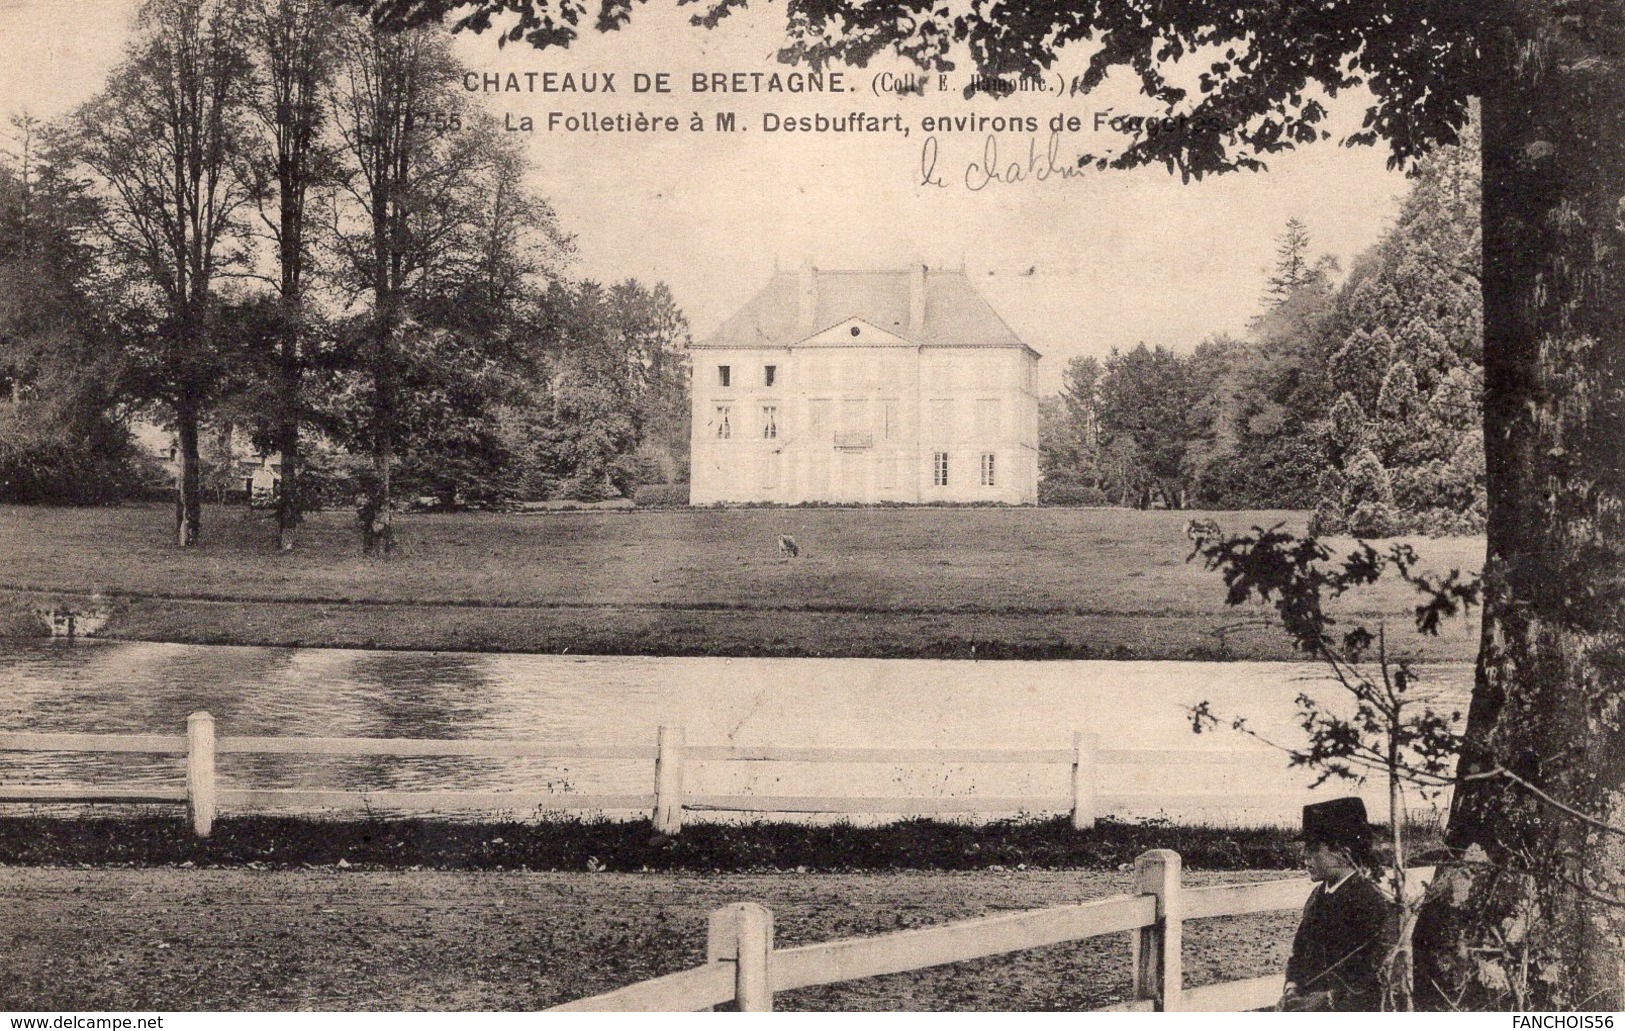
865, 386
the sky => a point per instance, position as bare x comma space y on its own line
1080, 266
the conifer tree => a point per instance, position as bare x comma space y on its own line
1292, 265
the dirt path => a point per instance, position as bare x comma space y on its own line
203, 939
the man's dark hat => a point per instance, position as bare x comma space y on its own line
1339, 822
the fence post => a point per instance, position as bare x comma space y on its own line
1084, 747
669, 761
200, 772
1158, 971
742, 934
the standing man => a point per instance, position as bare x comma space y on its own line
1342, 941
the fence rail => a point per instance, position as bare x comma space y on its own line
742, 966
405, 747
671, 756
915, 949
155, 743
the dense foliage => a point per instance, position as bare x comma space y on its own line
1360, 400
62, 429
336, 260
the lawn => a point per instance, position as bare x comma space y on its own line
937, 582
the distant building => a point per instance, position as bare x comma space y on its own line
245, 473
264, 476
865, 386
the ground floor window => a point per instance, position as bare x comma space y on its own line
987, 469
939, 469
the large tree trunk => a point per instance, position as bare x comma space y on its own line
289, 509
291, 259
189, 484
289, 504
294, 43
1543, 765
378, 532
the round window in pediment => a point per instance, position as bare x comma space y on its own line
856, 330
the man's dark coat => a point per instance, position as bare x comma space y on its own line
1341, 944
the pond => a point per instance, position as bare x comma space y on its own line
133, 687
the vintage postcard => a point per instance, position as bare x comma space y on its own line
509, 506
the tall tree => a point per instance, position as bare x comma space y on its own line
617, 373
1069, 436
1292, 266
1546, 727
652, 331
47, 259
62, 435
161, 142
1080, 394
400, 118
291, 43
1210, 370
474, 250
505, 248
1265, 452
1148, 397
1408, 373
1542, 789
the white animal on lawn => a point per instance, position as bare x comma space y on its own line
787, 547
1202, 530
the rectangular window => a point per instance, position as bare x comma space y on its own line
987, 470
769, 372
939, 469
770, 421
724, 375
724, 421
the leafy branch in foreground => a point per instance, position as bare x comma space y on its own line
1393, 729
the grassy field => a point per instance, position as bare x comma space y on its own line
986, 583
336, 939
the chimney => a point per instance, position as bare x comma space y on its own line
807, 308
916, 301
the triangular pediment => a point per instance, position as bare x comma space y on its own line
853, 332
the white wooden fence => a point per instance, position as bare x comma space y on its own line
742, 966
670, 754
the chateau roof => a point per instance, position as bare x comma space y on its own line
797, 305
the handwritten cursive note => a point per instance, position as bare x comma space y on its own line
988, 168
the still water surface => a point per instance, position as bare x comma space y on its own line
126, 687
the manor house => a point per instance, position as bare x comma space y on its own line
865, 386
